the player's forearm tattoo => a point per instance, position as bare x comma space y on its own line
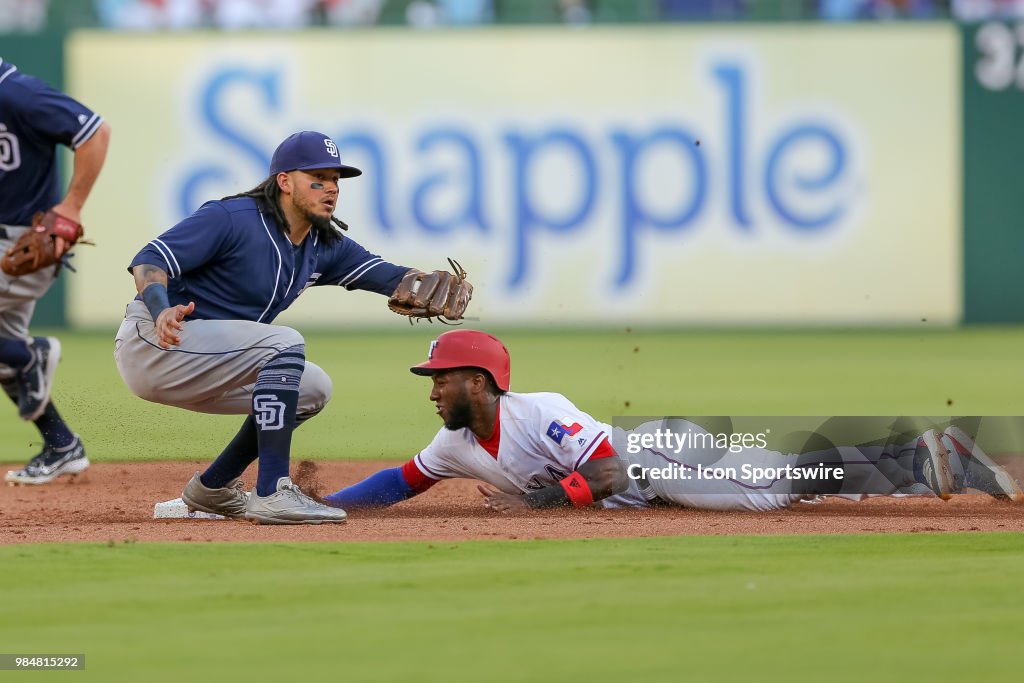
151, 282
147, 274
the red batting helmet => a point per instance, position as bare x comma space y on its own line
468, 349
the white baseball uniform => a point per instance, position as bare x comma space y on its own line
541, 438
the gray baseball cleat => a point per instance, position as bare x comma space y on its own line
35, 380
228, 501
980, 471
289, 505
50, 464
932, 466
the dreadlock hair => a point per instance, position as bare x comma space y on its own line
268, 197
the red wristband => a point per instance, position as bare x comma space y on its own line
578, 490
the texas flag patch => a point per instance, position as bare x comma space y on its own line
560, 429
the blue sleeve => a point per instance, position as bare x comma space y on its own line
56, 116
353, 267
190, 244
387, 487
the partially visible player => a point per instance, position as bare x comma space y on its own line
538, 450
200, 336
34, 120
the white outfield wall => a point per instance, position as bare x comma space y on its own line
562, 168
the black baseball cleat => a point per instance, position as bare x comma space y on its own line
50, 464
35, 380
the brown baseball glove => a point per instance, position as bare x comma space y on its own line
37, 249
438, 294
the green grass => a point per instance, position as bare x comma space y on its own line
380, 410
849, 608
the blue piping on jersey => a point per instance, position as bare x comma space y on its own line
426, 470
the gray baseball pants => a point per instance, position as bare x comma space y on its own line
18, 295
215, 367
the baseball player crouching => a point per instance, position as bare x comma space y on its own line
199, 335
538, 450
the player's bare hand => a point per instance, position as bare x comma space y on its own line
507, 503
169, 324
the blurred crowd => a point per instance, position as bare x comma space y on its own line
142, 15
230, 14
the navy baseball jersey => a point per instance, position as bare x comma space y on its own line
34, 119
233, 261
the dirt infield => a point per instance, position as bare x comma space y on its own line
114, 502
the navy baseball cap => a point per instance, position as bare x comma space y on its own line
308, 150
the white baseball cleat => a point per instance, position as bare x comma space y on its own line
980, 471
